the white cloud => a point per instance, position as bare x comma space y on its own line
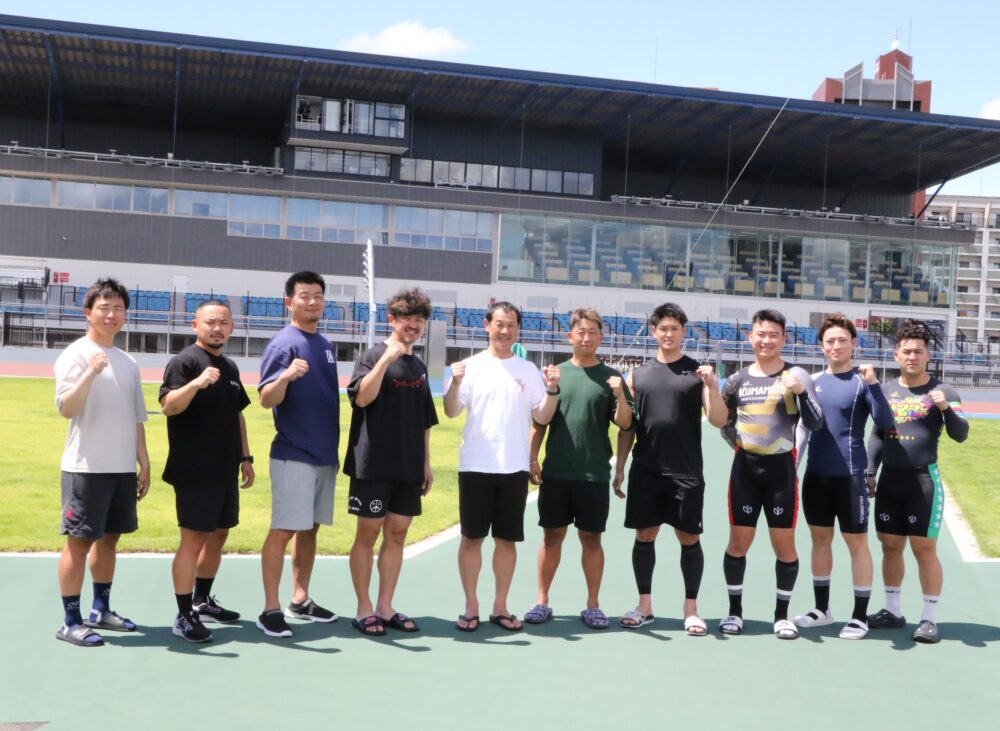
407, 38
991, 109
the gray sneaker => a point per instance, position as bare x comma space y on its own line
926, 632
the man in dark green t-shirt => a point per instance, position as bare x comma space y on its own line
574, 481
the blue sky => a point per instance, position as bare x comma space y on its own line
776, 48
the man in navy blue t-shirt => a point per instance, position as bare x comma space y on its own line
298, 381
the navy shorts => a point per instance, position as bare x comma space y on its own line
840, 497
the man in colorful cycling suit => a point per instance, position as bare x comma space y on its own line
909, 502
834, 486
765, 401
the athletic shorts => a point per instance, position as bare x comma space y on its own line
97, 503
909, 502
492, 503
206, 509
844, 497
375, 498
561, 502
301, 494
653, 500
763, 482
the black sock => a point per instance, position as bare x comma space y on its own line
71, 610
102, 597
692, 567
734, 568
821, 588
785, 573
184, 604
202, 588
643, 561
861, 596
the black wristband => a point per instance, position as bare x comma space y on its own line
553, 393
248, 458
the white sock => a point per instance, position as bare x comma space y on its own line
930, 606
892, 602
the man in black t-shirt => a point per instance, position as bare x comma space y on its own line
388, 458
203, 399
666, 483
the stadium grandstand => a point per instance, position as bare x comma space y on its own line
192, 167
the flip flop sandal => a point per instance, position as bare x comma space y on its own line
695, 626
594, 618
499, 619
469, 627
370, 626
79, 635
538, 614
635, 619
399, 622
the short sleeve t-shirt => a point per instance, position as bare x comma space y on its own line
101, 436
204, 439
577, 446
498, 395
308, 419
386, 440
668, 400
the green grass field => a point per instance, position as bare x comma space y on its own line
29, 486
35, 433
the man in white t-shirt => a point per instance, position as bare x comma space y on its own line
98, 389
502, 394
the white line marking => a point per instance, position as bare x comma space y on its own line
958, 526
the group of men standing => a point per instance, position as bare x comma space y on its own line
511, 409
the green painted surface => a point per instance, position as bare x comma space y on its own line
558, 676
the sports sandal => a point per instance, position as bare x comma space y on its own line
538, 614
884, 619
594, 618
370, 626
635, 619
814, 618
695, 626
731, 625
401, 622
471, 623
785, 630
854, 630
109, 620
79, 635
499, 619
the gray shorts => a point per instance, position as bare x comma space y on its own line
301, 494
97, 503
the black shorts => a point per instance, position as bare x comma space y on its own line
375, 498
206, 509
561, 502
909, 502
653, 500
763, 481
97, 503
844, 497
487, 500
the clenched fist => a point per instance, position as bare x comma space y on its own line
551, 375
457, 372
707, 375
617, 385
792, 383
296, 369
208, 376
867, 372
98, 362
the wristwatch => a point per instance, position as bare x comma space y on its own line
553, 393
247, 458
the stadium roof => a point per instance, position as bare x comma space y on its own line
144, 75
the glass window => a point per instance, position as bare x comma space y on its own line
440, 171
474, 175
407, 169
334, 161
571, 183
506, 178
586, 184
255, 207
553, 181
352, 162
236, 228
114, 197
382, 165
303, 211
456, 173
74, 195
272, 230
490, 173
6, 188
363, 117
434, 242
484, 225
302, 158
366, 164
338, 214
538, 181
150, 200
452, 222
418, 220
373, 216
200, 203
522, 179
424, 171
